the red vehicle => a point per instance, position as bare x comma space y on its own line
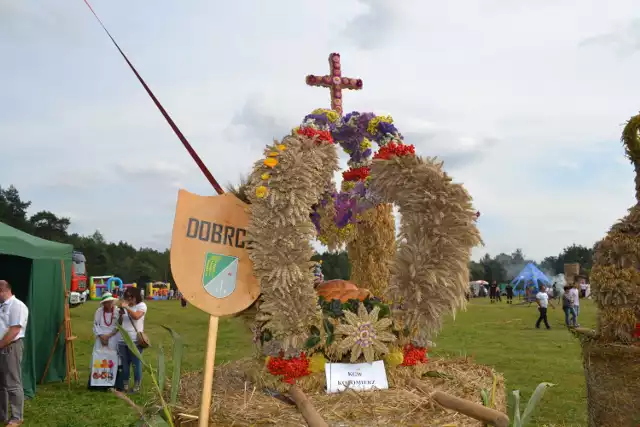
79, 291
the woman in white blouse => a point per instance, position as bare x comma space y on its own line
104, 323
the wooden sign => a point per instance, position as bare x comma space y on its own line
209, 258
211, 266
356, 376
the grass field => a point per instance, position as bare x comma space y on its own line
498, 335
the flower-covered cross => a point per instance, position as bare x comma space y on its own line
335, 82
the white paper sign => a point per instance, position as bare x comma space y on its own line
356, 376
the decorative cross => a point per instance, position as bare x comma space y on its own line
335, 82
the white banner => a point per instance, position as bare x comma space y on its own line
104, 367
356, 376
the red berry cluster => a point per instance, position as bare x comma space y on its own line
414, 355
289, 369
394, 149
323, 135
357, 174
636, 334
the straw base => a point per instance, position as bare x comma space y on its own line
239, 400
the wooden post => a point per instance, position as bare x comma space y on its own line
465, 407
309, 413
53, 351
207, 384
471, 409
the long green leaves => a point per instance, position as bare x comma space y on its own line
154, 419
516, 409
178, 349
161, 368
531, 405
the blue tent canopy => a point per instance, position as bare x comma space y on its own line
529, 276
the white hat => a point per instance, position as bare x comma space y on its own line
106, 297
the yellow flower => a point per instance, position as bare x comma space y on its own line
261, 191
281, 147
317, 363
271, 162
266, 360
348, 185
394, 359
365, 144
372, 128
265, 176
273, 154
333, 116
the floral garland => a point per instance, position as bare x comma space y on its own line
355, 133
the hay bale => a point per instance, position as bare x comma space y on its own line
240, 401
571, 270
613, 383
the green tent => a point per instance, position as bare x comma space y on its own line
33, 266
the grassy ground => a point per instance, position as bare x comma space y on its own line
498, 335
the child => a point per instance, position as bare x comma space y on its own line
567, 306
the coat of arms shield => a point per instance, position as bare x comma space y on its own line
209, 258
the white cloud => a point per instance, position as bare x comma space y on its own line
524, 101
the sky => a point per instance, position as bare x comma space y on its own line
524, 101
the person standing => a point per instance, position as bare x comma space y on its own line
542, 299
576, 302
14, 315
133, 312
105, 322
493, 289
509, 290
567, 307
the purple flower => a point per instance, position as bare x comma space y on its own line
384, 128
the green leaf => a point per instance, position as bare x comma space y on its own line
266, 335
132, 346
328, 326
485, 397
178, 350
162, 370
516, 409
534, 400
330, 339
385, 311
315, 331
312, 341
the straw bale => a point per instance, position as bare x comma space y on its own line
239, 400
612, 372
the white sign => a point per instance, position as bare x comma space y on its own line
356, 376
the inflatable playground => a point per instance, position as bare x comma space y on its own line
98, 285
157, 290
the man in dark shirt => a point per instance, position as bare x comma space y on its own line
509, 290
493, 290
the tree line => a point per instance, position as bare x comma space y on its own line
103, 258
504, 267
142, 265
